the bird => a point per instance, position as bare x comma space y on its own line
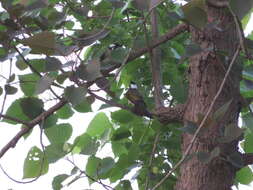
134, 96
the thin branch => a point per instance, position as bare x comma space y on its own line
15, 119
180, 28
110, 102
90, 177
41, 164
151, 158
12, 143
202, 122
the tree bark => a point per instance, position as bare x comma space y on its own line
206, 72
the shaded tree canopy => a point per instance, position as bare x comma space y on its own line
180, 76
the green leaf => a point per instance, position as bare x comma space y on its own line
56, 183
120, 134
232, 132
86, 145
75, 95
50, 121
219, 113
89, 72
59, 133
92, 167
43, 84
32, 107
10, 90
247, 121
15, 111
41, 43
124, 185
105, 166
244, 176
52, 64
83, 107
35, 164
21, 65
118, 148
189, 127
195, 14
122, 116
98, 125
248, 143
28, 83
65, 112
54, 152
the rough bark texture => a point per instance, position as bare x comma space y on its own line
206, 73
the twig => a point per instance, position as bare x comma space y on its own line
90, 177
151, 158
12, 143
41, 164
110, 102
202, 122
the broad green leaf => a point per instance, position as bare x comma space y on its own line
244, 176
232, 132
194, 13
56, 183
35, 164
28, 83
52, 64
92, 167
98, 125
122, 116
75, 95
43, 84
50, 121
247, 121
84, 144
16, 111
54, 152
32, 107
248, 143
89, 72
120, 134
105, 166
65, 112
118, 148
84, 106
241, 9
59, 133
41, 43
124, 185
219, 113
10, 90
206, 157
92, 38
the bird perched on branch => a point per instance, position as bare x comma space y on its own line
134, 96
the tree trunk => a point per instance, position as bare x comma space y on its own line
206, 72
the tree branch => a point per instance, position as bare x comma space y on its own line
12, 143
170, 114
156, 62
137, 53
247, 158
